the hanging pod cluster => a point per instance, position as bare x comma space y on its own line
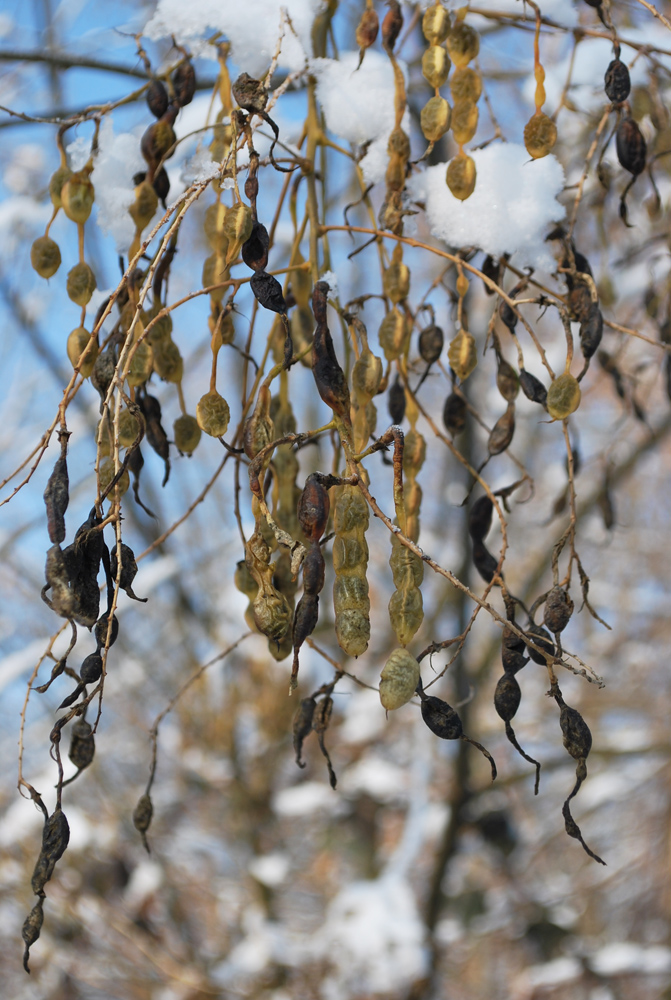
463, 45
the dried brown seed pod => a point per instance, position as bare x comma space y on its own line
142, 816
512, 652
184, 83
463, 44
161, 185
82, 744
367, 374
484, 561
77, 196
444, 722
399, 679
558, 609
396, 401
391, 25
55, 839
393, 333
128, 570
250, 94
320, 724
631, 146
101, 629
507, 381
436, 24
540, 135
57, 495
157, 98
255, 248
30, 931
366, 31
507, 699
45, 256
328, 375
502, 432
396, 278
435, 118
313, 509
144, 207
158, 141
532, 387
617, 82
435, 65
591, 332
268, 292
563, 396
81, 343
187, 434
350, 562
541, 638
156, 436
460, 177
302, 726
466, 85
431, 341
464, 121
462, 354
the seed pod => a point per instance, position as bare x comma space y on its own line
396, 278
91, 669
454, 414
532, 387
540, 135
268, 291
313, 509
480, 518
187, 434
591, 332
466, 85
128, 428
320, 723
144, 207
107, 472
184, 83
55, 839
213, 414
255, 249
367, 29
396, 402
250, 94
157, 98
435, 118
101, 628
56, 182
142, 361
142, 816
463, 44
398, 680
462, 354
460, 176
45, 256
238, 226
328, 375
435, 65
80, 341
507, 381
512, 652
558, 610
156, 436
484, 561
436, 24
81, 284
507, 699
502, 432
128, 570
350, 563
406, 610
541, 638
563, 396
82, 744
158, 142
57, 495
367, 374
580, 301
161, 185
617, 82
391, 25
259, 428
167, 360
303, 726
631, 146
444, 722
77, 196
464, 121
431, 342
30, 931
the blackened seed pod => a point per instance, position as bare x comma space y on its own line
91, 669
30, 932
441, 718
558, 609
431, 341
55, 839
313, 509
320, 724
491, 268
480, 518
617, 82
57, 495
142, 816
396, 402
156, 436
507, 381
631, 146
268, 292
502, 432
82, 744
591, 332
454, 414
184, 82
101, 630
541, 637
484, 561
512, 652
507, 697
303, 726
161, 184
533, 388
328, 375
508, 316
255, 250
128, 570
576, 734
157, 98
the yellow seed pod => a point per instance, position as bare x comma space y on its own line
223, 134
399, 679
414, 453
213, 414
464, 121
460, 176
77, 196
462, 285
563, 396
301, 282
45, 256
396, 279
80, 340
215, 272
142, 363
399, 144
56, 182
435, 118
187, 434
162, 328
259, 428
81, 284
238, 224
436, 24
367, 374
167, 360
540, 135
435, 65
272, 614
463, 44
106, 475
128, 428
103, 442
144, 207
466, 84
213, 226
396, 172
393, 334
406, 612
462, 354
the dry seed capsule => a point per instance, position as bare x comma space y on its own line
398, 680
142, 815
558, 610
464, 121
391, 25
158, 141
238, 225
350, 562
406, 609
396, 278
563, 396
144, 207
466, 85
436, 24
128, 428
480, 519
167, 360
454, 414
396, 402
507, 699
631, 146
82, 744
215, 272
213, 414
142, 361
77, 196
533, 388
507, 381
617, 82
106, 474
463, 44
460, 176
502, 432
187, 434
444, 722
435, 66
80, 340
431, 342
45, 256
213, 227
541, 638
591, 332
162, 328
157, 98
435, 118
101, 629
302, 726
81, 284
30, 931
393, 334
540, 135
366, 31
184, 83
58, 179
272, 611
462, 354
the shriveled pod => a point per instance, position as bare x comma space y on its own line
56, 182
80, 341
213, 414
558, 609
532, 387
512, 652
399, 679
238, 225
463, 44
460, 176
107, 472
480, 519
158, 141
167, 360
454, 414
396, 401
617, 82
462, 354
502, 432
128, 428
435, 65
507, 699
142, 816
431, 341
540, 135
255, 249
259, 428
507, 381
631, 146
391, 26
464, 121
577, 740
184, 83
77, 196
393, 334
367, 373
591, 332
563, 396
466, 85
187, 434
366, 31
399, 143
81, 284
91, 669
396, 278
45, 256
435, 118
313, 509
144, 207
157, 98
215, 272
161, 185
82, 744
128, 570
541, 638
436, 24
444, 722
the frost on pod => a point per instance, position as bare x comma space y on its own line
399, 679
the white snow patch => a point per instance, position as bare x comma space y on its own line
625, 956
270, 870
23, 173
363, 720
377, 777
513, 204
331, 280
144, 882
118, 159
301, 800
21, 219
